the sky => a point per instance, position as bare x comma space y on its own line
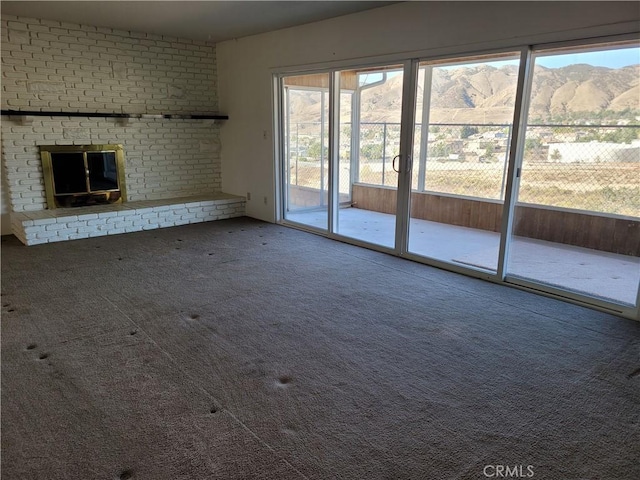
612, 58
618, 58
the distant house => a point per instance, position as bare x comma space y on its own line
593, 152
493, 135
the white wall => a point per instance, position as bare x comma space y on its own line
245, 65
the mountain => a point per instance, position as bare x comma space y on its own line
485, 94
584, 88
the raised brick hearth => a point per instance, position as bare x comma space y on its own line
62, 224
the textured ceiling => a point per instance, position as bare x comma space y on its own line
213, 21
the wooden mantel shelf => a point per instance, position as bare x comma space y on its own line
178, 116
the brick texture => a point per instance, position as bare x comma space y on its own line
71, 224
49, 65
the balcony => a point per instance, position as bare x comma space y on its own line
576, 222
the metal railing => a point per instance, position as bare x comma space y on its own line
593, 167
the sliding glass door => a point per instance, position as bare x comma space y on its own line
369, 138
576, 224
521, 167
359, 122
305, 122
463, 126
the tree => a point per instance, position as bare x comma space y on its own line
314, 150
467, 131
372, 151
621, 135
489, 150
440, 149
532, 144
556, 156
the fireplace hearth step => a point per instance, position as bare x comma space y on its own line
61, 224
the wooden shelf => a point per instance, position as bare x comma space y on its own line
178, 116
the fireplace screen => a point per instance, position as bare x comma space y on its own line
81, 175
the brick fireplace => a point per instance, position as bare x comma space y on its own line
137, 90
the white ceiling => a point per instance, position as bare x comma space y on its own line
213, 20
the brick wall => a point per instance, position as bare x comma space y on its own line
54, 66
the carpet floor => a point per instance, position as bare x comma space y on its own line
244, 350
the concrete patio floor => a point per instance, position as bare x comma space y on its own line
604, 275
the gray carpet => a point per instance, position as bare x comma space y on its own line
241, 350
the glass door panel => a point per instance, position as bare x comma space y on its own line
369, 139
463, 124
576, 223
306, 146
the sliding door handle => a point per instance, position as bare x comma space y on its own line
393, 164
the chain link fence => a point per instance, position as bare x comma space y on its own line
593, 168
308, 149
462, 159
587, 168
379, 144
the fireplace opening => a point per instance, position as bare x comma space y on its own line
82, 175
